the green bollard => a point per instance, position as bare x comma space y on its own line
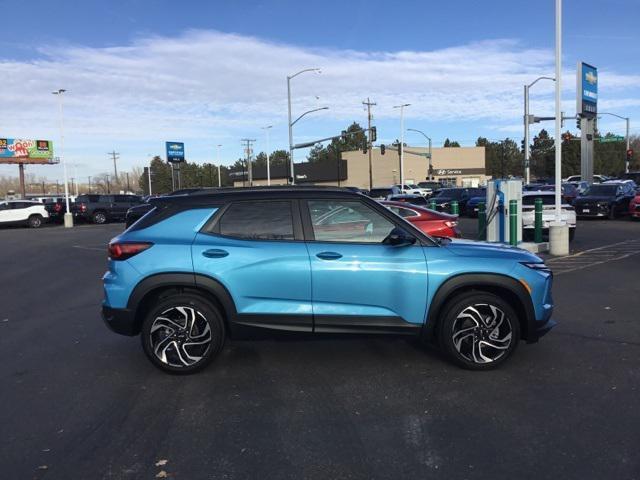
538, 221
482, 221
513, 222
432, 204
454, 208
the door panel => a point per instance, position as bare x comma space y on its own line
357, 280
269, 281
368, 281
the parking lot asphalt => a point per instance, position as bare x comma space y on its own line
79, 402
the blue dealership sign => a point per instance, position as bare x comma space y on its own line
175, 152
587, 90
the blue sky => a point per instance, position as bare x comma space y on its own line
142, 72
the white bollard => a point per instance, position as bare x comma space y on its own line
68, 220
558, 239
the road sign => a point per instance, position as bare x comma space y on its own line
175, 152
586, 90
615, 138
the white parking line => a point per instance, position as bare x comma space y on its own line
594, 256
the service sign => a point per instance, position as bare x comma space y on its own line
587, 90
22, 150
175, 152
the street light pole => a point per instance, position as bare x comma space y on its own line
527, 153
401, 107
68, 218
558, 230
289, 78
266, 132
429, 144
219, 177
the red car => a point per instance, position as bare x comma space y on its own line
634, 206
436, 224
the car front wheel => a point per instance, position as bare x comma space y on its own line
182, 333
479, 331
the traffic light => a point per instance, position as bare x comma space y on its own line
374, 134
365, 146
382, 149
578, 123
399, 148
630, 155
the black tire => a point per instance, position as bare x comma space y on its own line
470, 347
170, 343
572, 234
612, 212
99, 217
35, 221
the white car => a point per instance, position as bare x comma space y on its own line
413, 189
578, 178
23, 212
568, 213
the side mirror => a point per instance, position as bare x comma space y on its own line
399, 238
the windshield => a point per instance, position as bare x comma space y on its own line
601, 190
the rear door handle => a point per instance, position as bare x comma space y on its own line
329, 255
215, 253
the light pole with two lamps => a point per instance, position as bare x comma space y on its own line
68, 218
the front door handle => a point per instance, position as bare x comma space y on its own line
215, 253
329, 255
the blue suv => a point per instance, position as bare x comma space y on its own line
199, 268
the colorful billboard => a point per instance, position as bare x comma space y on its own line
22, 150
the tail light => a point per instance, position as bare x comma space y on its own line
451, 224
57, 207
122, 251
83, 207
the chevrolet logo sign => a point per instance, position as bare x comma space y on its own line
591, 78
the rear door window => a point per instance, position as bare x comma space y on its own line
264, 220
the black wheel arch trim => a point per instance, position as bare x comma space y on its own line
469, 281
185, 280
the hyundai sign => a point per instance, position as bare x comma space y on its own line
175, 152
587, 90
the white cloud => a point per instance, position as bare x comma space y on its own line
207, 84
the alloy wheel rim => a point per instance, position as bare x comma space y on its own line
482, 333
180, 336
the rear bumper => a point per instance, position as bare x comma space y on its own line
120, 320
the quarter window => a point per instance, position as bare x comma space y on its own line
258, 221
347, 221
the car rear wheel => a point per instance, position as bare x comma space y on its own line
99, 218
35, 221
612, 212
182, 334
572, 234
479, 331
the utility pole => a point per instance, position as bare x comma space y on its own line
128, 187
370, 104
219, 177
401, 107
266, 132
89, 184
115, 155
249, 151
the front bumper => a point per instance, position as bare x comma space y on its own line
120, 320
541, 329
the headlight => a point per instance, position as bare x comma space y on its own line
539, 266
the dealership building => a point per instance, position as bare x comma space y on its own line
455, 166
